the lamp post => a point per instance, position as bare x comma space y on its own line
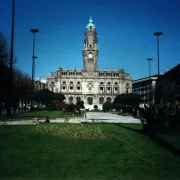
12, 43
34, 31
149, 59
158, 34
11, 60
33, 70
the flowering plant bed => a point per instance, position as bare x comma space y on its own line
73, 131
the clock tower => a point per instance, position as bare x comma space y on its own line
90, 50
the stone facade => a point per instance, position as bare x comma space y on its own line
91, 85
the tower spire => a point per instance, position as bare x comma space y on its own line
90, 19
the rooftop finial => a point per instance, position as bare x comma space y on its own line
90, 19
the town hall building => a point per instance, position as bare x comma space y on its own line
91, 85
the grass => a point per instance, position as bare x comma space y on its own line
43, 114
87, 152
170, 135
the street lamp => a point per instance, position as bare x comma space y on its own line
12, 43
158, 34
11, 59
149, 59
150, 84
33, 71
34, 31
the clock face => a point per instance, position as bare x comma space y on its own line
90, 55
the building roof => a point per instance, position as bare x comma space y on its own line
155, 76
171, 71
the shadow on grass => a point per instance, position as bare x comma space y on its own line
155, 138
129, 127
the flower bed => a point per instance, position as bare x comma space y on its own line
73, 131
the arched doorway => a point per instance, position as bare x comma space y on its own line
78, 99
101, 100
90, 100
70, 100
108, 99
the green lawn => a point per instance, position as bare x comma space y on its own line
42, 114
170, 135
83, 151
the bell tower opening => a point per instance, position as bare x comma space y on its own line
90, 50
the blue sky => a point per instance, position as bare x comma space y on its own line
125, 33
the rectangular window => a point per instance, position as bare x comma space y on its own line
101, 88
108, 88
115, 88
78, 88
71, 87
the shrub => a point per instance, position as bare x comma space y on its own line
96, 110
71, 107
128, 109
164, 115
118, 106
80, 104
107, 106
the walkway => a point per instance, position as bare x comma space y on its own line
92, 117
110, 118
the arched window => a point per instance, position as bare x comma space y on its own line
78, 99
101, 100
90, 100
108, 99
70, 100
78, 88
90, 87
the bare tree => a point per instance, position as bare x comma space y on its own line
5, 81
22, 88
22, 84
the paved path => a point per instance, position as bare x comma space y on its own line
34, 122
91, 117
110, 118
